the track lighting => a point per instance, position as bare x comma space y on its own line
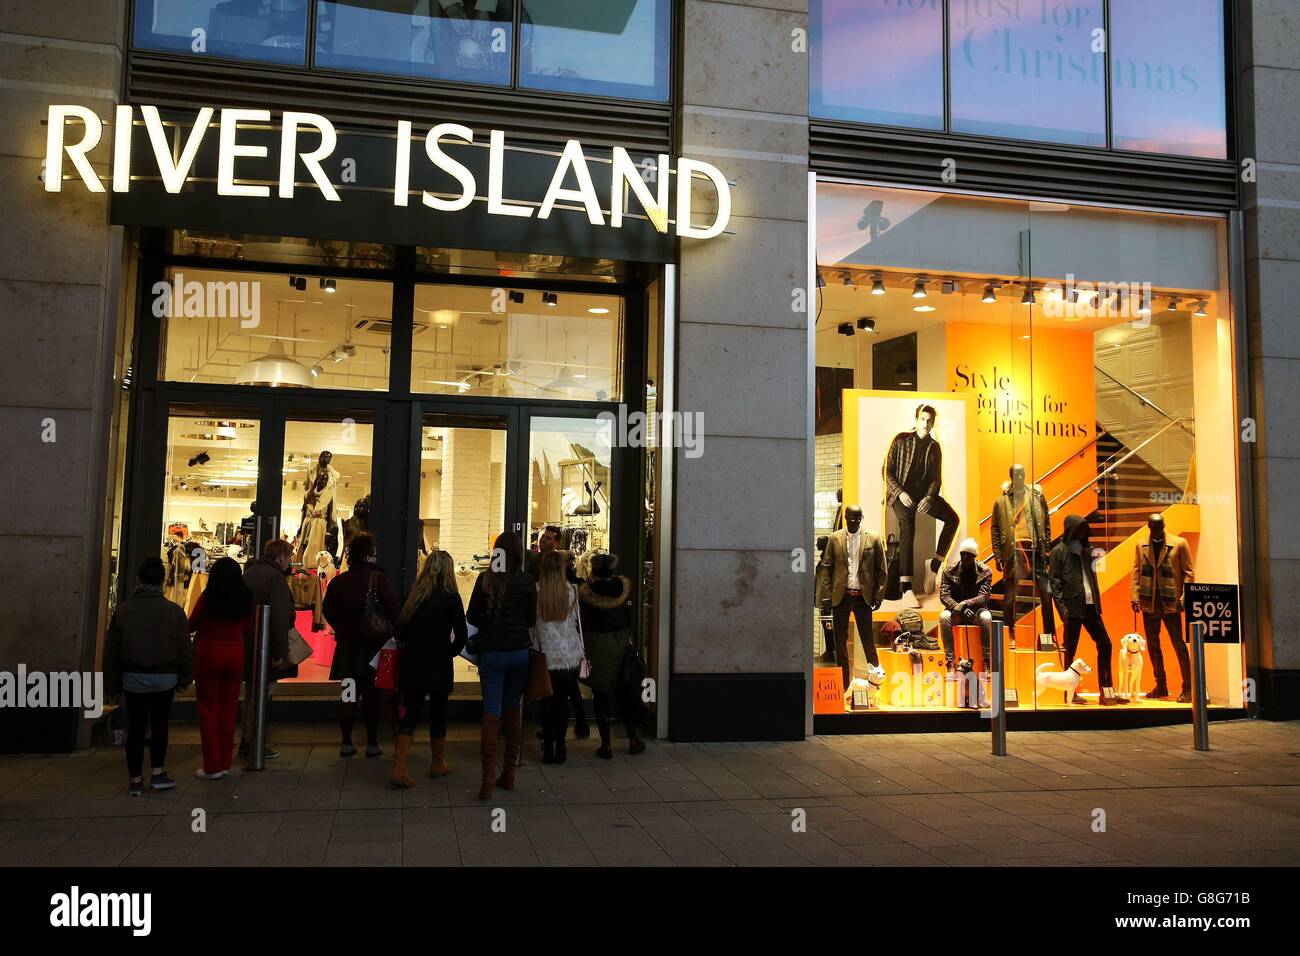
848, 280
1145, 307
1028, 297
551, 299
867, 324
1173, 305
918, 290
298, 282
516, 297
989, 295
316, 371
949, 286
1201, 306
845, 328
878, 286
329, 285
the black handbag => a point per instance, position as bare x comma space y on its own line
376, 628
893, 574
632, 670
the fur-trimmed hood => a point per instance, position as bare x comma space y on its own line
606, 593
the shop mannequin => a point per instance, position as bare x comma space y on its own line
1161, 568
317, 508
1022, 537
1078, 598
851, 580
838, 521
964, 592
359, 522
913, 475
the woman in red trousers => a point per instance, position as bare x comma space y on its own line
223, 614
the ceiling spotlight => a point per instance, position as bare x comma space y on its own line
949, 286
551, 299
867, 324
878, 286
821, 281
316, 371
989, 296
1200, 309
598, 311
1145, 307
293, 282
845, 328
848, 280
923, 308
329, 285
918, 290
1173, 305
516, 297
1028, 297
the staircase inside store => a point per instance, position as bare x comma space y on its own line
1128, 490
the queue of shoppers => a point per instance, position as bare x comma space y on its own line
530, 623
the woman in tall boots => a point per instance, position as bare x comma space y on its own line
430, 632
607, 632
503, 607
560, 639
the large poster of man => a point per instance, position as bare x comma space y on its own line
910, 462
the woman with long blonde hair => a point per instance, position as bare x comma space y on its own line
560, 639
430, 632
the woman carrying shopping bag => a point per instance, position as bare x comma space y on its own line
559, 637
503, 606
430, 632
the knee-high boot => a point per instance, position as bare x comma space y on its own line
399, 777
438, 749
488, 732
512, 730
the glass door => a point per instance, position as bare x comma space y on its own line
460, 497
570, 483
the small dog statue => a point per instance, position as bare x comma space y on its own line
1066, 680
1131, 648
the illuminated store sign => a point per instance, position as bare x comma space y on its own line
74, 131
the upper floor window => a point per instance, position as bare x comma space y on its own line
1169, 97
614, 48
877, 61
1034, 70
603, 47
273, 31
438, 39
1031, 72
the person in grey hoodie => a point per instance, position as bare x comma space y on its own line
267, 579
148, 656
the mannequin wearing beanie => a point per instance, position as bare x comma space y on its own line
964, 590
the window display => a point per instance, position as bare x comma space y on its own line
1026, 416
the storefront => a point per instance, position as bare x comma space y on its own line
298, 385
1000, 376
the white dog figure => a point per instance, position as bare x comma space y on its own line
1066, 680
875, 678
1131, 648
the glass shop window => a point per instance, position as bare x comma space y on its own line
272, 31
614, 48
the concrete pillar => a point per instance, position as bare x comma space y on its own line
740, 621
59, 275
1268, 65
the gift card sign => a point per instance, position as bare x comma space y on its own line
828, 690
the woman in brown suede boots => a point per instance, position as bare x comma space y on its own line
431, 632
504, 609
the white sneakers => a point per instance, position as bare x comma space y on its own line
200, 774
931, 575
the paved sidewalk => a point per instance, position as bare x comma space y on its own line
928, 800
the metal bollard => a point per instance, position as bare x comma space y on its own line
1200, 695
997, 695
261, 681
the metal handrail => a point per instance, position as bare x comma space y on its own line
1109, 469
1140, 397
1053, 470
1181, 422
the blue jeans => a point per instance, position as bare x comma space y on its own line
502, 676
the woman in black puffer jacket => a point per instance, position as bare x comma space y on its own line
606, 606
